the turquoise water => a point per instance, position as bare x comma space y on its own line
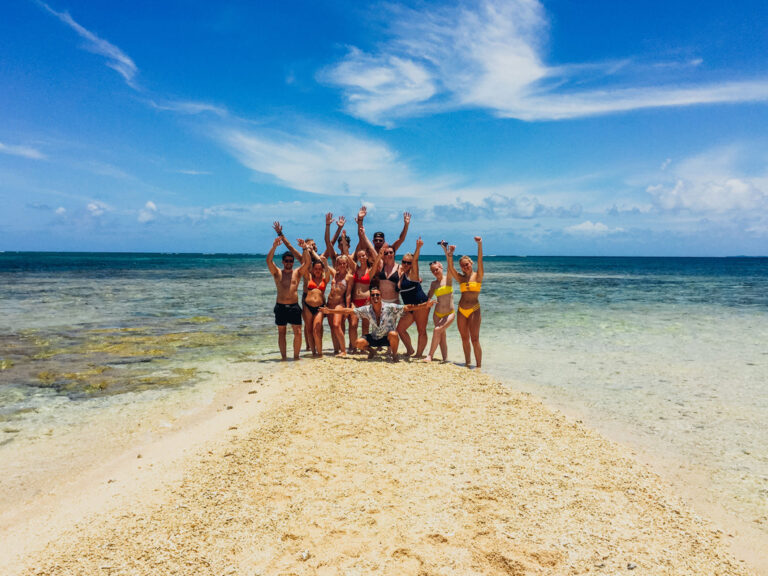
672, 351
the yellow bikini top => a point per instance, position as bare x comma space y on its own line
444, 290
469, 287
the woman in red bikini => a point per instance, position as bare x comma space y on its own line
314, 298
361, 293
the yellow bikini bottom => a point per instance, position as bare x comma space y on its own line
444, 314
467, 312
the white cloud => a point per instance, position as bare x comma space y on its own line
193, 172
490, 56
116, 58
497, 206
714, 183
589, 228
148, 213
324, 161
61, 210
96, 208
378, 85
188, 107
23, 151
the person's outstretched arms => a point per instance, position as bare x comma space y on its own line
406, 223
414, 273
479, 258
279, 230
271, 258
449, 250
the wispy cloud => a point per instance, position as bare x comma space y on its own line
23, 151
324, 161
116, 58
488, 54
589, 228
192, 172
188, 107
500, 207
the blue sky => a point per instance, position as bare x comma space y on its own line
557, 127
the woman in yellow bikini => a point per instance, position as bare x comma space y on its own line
442, 289
470, 283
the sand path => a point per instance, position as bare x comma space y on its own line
371, 468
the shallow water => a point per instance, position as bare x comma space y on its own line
672, 351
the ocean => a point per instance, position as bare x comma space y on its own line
669, 355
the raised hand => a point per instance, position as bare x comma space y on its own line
407, 217
301, 243
277, 242
328, 218
361, 215
450, 250
478, 239
341, 221
419, 242
278, 228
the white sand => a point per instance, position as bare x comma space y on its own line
355, 467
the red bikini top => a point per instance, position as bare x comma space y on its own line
311, 285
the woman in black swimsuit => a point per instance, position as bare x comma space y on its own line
389, 276
409, 285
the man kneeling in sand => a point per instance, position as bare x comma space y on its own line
383, 318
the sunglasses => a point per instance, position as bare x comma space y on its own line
388, 252
375, 296
404, 262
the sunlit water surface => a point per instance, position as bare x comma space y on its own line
672, 352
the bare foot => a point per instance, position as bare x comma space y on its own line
427, 359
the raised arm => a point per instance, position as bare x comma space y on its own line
362, 238
306, 260
329, 251
279, 230
479, 258
271, 258
340, 221
406, 222
414, 273
326, 269
376, 261
449, 250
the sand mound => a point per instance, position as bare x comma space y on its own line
373, 468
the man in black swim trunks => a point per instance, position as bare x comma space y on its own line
287, 310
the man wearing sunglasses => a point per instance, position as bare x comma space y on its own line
383, 318
287, 310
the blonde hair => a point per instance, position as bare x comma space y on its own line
465, 257
343, 258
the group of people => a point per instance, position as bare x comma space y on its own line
371, 294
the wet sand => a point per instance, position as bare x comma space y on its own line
343, 466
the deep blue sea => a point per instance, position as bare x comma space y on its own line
672, 352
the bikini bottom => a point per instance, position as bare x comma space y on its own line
467, 312
444, 314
